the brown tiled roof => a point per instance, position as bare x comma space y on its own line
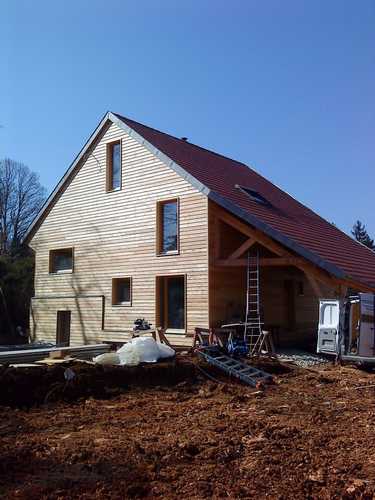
282, 214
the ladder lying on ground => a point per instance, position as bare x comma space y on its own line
248, 374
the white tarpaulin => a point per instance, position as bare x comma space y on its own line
137, 350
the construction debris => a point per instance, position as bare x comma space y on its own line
301, 358
32, 355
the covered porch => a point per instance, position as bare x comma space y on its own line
290, 285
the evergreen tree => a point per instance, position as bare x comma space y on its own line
360, 234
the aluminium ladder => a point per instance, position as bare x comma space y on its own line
253, 334
248, 374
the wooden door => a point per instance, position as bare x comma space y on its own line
63, 328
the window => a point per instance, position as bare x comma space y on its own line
167, 227
170, 303
114, 166
61, 260
121, 292
254, 195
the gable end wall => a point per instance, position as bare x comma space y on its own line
113, 235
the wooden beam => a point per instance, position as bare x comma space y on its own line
302, 264
266, 261
361, 287
341, 291
217, 249
253, 233
314, 285
242, 249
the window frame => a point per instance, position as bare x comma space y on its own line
109, 166
114, 292
160, 227
51, 253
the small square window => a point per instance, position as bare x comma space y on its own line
61, 260
121, 291
114, 170
167, 227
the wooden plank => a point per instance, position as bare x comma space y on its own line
252, 233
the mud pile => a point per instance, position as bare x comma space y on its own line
310, 435
36, 385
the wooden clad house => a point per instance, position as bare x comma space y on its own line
147, 225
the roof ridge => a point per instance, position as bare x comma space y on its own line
184, 142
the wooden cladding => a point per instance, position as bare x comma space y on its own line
114, 236
114, 166
122, 291
61, 260
167, 227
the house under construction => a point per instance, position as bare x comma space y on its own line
144, 224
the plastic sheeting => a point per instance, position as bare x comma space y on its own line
136, 351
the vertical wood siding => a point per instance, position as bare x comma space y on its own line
113, 235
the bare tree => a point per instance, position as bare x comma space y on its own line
21, 197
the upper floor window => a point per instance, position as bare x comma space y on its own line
167, 227
61, 260
114, 166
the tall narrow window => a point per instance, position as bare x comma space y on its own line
167, 227
114, 166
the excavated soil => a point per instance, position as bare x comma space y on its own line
309, 435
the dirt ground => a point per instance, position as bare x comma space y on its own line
310, 435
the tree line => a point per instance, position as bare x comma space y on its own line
21, 197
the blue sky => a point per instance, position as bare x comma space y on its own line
285, 86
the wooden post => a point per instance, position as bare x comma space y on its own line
315, 285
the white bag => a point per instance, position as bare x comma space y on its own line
165, 351
129, 354
147, 349
143, 350
108, 358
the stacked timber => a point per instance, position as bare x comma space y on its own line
32, 355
